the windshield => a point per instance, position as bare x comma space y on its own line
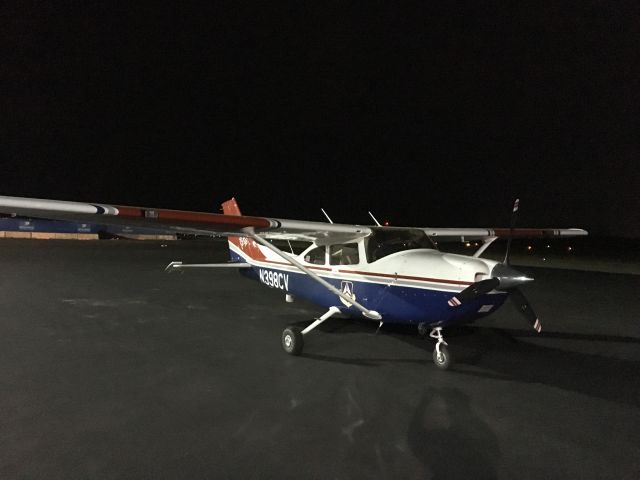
385, 241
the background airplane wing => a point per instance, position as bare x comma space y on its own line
179, 221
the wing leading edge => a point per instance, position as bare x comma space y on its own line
483, 233
180, 221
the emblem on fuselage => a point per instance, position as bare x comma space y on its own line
347, 289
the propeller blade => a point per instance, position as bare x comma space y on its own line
473, 291
518, 298
514, 217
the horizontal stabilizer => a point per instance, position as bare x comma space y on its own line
180, 266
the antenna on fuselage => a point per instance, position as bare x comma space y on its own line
375, 219
325, 214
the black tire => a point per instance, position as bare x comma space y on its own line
292, 341
444, 360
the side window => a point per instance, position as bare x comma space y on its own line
315, 256
346, 254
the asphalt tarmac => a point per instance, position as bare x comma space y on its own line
110, 368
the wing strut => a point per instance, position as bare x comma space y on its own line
372, 314
487, 241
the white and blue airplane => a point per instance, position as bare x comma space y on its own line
386, 274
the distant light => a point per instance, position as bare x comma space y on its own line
544, 259
386, 223
467, 244
548, 246
569, 248
529, 248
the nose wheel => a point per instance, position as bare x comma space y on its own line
441, 355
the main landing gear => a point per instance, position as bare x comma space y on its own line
292, 337
441, 356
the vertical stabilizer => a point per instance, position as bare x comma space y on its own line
241, 249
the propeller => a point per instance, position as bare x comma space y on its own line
503, 277
512, 224
520, 301
474, 291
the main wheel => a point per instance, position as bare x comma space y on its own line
443, 359
292, 340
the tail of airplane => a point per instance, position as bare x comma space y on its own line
241, 249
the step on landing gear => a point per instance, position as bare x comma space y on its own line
292, 337
441, 356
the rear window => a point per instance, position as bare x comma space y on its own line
346, 254
316, 256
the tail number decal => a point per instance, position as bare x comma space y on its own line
274, 279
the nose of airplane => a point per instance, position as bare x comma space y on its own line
509, 277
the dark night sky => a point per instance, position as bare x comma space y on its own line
429, 114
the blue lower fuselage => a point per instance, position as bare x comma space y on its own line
396, 303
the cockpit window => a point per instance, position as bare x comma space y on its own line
385, 241
316, 256
346, 254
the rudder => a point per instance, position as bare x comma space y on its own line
241, 249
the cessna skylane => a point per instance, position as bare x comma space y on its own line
386, 274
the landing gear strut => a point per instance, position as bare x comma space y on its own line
292, 337
441, 356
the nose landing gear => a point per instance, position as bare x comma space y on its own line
441, 356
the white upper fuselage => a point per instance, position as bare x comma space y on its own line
417, 268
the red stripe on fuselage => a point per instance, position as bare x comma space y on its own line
375, 274
292, 265
407, 277
250, 248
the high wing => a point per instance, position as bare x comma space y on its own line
179, 221
484, 233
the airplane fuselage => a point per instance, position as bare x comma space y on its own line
408, 287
